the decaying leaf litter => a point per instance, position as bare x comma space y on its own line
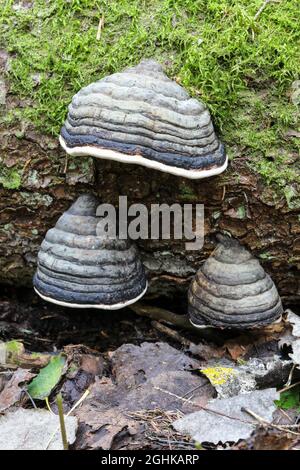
135, 393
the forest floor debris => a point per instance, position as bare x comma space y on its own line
137, 372
264, 438
31, 429
127, 378
223, 420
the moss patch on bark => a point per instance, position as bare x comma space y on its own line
242, 63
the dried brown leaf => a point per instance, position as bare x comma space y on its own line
12, 391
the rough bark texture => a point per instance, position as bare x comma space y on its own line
237, 202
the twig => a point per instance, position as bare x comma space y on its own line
263, 6
200, 350
181, 321
171, 333
266, 423
68, 414
287, 426
167, 441
203, 407
28, 161
284, 389
66, 164
224, 192
290, 377
161, 314
62, 421
30, 397
100, 27
284, 413
194, 390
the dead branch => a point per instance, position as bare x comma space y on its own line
201, 350
181, 321
100, 27
266, 423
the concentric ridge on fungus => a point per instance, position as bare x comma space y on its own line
232, 290
79, 268
141, 116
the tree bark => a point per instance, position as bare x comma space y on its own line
38, 182
238, 202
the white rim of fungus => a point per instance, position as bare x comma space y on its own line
107, 154
202, 327
97, 306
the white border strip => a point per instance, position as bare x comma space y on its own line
202, 327
98, 306
107, 154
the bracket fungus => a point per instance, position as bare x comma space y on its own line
141, 116
232, 290
78, 267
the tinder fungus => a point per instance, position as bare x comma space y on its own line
141, 116
232, 290
79, 268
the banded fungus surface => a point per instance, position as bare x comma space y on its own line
141, 116
81, 268
232, 290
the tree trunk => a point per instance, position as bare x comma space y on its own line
44, 183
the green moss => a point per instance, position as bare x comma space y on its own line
14, 347
241, 212
187, 192
266, 256
10, 178
242, 68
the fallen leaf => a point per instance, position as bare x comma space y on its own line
205, 351
32, 429
131, 363
264, 438
139, 375
105, 427
236, 350
12, 391
13, 353
48, 377
84, 364
292, 337
213, 427
242, 345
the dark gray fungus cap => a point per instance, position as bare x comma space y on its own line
79, 268
141, 116
232, 290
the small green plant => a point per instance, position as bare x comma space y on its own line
63, 431
290, 399
48, 377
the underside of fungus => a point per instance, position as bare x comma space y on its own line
79, 268
232, 290
140, 116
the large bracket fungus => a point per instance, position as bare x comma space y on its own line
141, 116
232, 290
78, 267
